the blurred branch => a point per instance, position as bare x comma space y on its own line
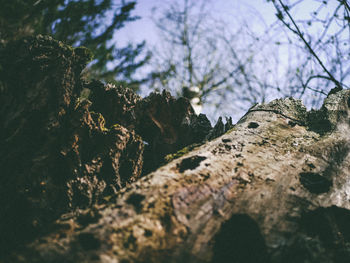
301, 36
305, 85
345, 3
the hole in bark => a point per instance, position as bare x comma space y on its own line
320, 126
148, 233
228, 147
239, 240
131, 242
90, 217
88, 241
329, 224
348, 101
226, 140
311, 165
136, 199
315, 183
190, 163
253, 125
331, 227
166, 222
292, 123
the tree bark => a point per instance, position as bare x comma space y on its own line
268, 190
274, 188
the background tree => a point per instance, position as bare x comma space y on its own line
225, 68
88, 23
321, 37
233, 66
189, 62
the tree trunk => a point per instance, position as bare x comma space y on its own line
274, 188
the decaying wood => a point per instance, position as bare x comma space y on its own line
268, 190
274, 188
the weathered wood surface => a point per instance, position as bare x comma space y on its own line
268, 190
274, 188
58, 153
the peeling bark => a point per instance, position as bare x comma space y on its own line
274, 188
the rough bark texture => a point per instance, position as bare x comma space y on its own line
55, 154
63, 150
274, 188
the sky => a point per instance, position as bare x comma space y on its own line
144, 28
258, 13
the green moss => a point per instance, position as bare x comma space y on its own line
107, 198
168, 158
115, 126
99, 120
231, 130
64, 46
102, 122
85, 94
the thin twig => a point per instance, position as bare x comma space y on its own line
300, 34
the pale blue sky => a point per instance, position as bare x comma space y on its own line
228, 10
257, 13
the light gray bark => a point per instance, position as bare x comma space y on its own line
275, 188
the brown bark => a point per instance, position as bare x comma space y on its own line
274, 188
58, 152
